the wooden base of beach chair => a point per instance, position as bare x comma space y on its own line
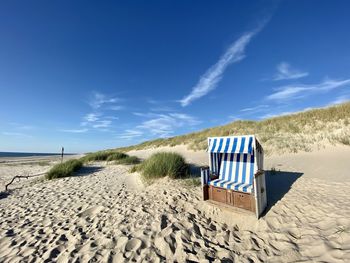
233, 198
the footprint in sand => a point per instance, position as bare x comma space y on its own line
133, 244
91, 212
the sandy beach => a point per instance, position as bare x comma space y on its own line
107, 214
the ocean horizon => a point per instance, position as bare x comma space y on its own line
28, 154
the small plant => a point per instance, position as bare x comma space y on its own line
134, 169
164, 164
64, 169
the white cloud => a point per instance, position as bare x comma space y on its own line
286, 72
16, 134
190, 120
91, 117
209, 80
102, 124
130, 134
272, 115
255, 109
98, 100
112, 118
163, 125
290, 92
340, 100
116, 107
75, 130
20, 126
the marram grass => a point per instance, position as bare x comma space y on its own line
164, 164
65, 169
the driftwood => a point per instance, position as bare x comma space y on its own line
22, 176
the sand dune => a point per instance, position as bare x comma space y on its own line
107, 215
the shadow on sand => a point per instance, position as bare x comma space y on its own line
278, 183
4, 194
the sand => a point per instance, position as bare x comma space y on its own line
107, 214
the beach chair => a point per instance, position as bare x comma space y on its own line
235, 173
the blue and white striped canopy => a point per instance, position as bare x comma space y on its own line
232, 144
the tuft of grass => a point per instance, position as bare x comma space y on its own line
97, 156
117, 156
134, 169
64, 169
164, 164
108, 155
128, 160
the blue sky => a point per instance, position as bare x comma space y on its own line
91, 75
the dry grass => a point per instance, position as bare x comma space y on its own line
304, 131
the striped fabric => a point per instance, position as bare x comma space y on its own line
236, 172
205, 173
215, 160
237, 144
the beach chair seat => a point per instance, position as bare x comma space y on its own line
236, 186
236, 172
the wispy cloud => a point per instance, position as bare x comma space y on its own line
285, 71
112, 118
291, 92
164, 125
255, 109
95, 120
116, 107
99, 99
209, 80
339, 100
91, 117
102, 124
130, 134
272, 115
75, 130
20, 126
17, 134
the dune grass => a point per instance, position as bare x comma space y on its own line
301, 131
116, 156
164, 164
65, 169
108, 155
128, 160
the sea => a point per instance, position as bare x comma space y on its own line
26, 154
